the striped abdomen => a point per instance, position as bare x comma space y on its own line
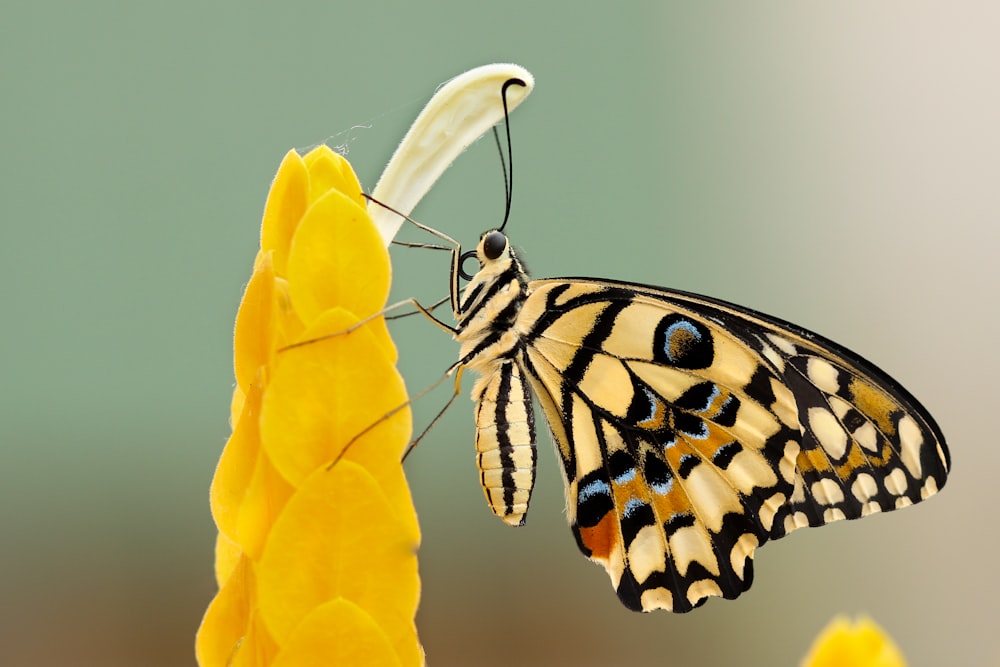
505, 442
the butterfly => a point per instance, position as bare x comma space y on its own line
691, 430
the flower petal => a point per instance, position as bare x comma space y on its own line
236, 466
328, 391
459, 113
338, 633
225, 621
338, 538
859, 644
253, 337
227, 557
256, 647
337, 259
286, 204
247, 491
329, 171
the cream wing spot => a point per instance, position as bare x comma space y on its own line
788, 461
866, 436
864, 487
646, 554
823, 374
749, 470
839, 406
715, 498
871, 507
769, 508
895, 483
829, 432
657, 598
833, 514
796, 521
692, 544
827, 492
703, 588
782, 344
798, 491
911, 440
742, 550
588, 449
773, 356
785, 406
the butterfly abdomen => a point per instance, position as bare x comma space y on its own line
505, 442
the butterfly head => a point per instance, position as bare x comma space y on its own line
494, 255
498, 267
492, 246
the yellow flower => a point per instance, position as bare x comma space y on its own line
861, 644
316, 564
316, 553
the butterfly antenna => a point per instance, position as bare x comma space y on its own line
508, 164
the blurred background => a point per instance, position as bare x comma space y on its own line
834, 165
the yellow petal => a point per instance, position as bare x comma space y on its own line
338, 538
338, 633
236, 406
859, 644
253, 338
247, 492
226, 619
286, 203
266, 321
257, 648
337, 259
329, 171
227, 557
324, 393
236, 466
265, 498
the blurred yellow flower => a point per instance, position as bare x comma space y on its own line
316, 564
859, 644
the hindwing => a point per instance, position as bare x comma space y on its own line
691, 431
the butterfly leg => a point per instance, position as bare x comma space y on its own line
388, 309
437, 417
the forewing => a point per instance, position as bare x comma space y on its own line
692, 431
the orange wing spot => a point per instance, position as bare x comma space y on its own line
635, 489
718, 402
657, 420
858, 459
874, 404
707, 447
601, 539
813, 459
674, 502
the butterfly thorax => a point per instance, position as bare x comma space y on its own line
488, 308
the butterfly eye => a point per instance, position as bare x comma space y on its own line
494, 244
466, 256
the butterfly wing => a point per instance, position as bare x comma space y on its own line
692, 431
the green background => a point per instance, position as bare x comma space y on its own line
836, 165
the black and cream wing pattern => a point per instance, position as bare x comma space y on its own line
691, 431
